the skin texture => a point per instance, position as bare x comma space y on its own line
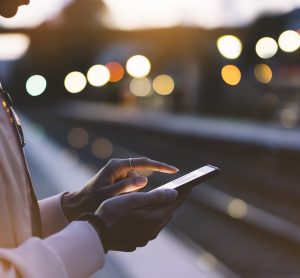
8, 8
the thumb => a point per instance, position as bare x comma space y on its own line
155, 198
127, 185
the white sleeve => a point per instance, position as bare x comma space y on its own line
74, 252
52, 216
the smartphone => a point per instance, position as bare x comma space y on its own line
191, 179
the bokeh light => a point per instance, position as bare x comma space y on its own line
75, 82
141, 87
102, 148
231, 75
263, 73
163, 84
230, 46
78, 137
36, 85
138, 66
210, 260
289, 41
13, 46
270, 100
237, 208
266, 47
289, 117
98, 75
116, 71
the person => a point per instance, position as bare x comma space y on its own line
67, 235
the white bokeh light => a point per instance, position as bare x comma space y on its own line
230, 46
289, 41
13, 46
266, 48
98, 75
141, 87
75, 82
36, 85
138, 66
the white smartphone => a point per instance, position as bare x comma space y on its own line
191, 179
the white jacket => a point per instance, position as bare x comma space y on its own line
63, 250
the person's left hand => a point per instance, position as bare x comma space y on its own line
118, 176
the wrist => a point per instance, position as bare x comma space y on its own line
70, 203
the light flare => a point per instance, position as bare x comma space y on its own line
141, 87
164, 84
237, 208
75, 82
138, 66
78, 137
231, 75
266, 48
98, 75
289, 41
36, 85
263, 73
230, 46
13, 46
116, 71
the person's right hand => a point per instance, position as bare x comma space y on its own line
133, 219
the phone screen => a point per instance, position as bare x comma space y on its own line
194, 177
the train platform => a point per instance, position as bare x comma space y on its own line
262, 179
53, 170
269, 136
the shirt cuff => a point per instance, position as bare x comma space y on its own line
79, 248
52, 215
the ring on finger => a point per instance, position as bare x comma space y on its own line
130, 164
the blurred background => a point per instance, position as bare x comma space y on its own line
186, 82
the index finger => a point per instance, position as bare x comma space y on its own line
145, 163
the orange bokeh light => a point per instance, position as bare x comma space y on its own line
116, 71
231, 75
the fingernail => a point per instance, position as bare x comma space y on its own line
140, 180
176, 169
171, 194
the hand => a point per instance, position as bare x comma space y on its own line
116, 177
132, 220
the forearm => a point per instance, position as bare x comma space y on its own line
75, 252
